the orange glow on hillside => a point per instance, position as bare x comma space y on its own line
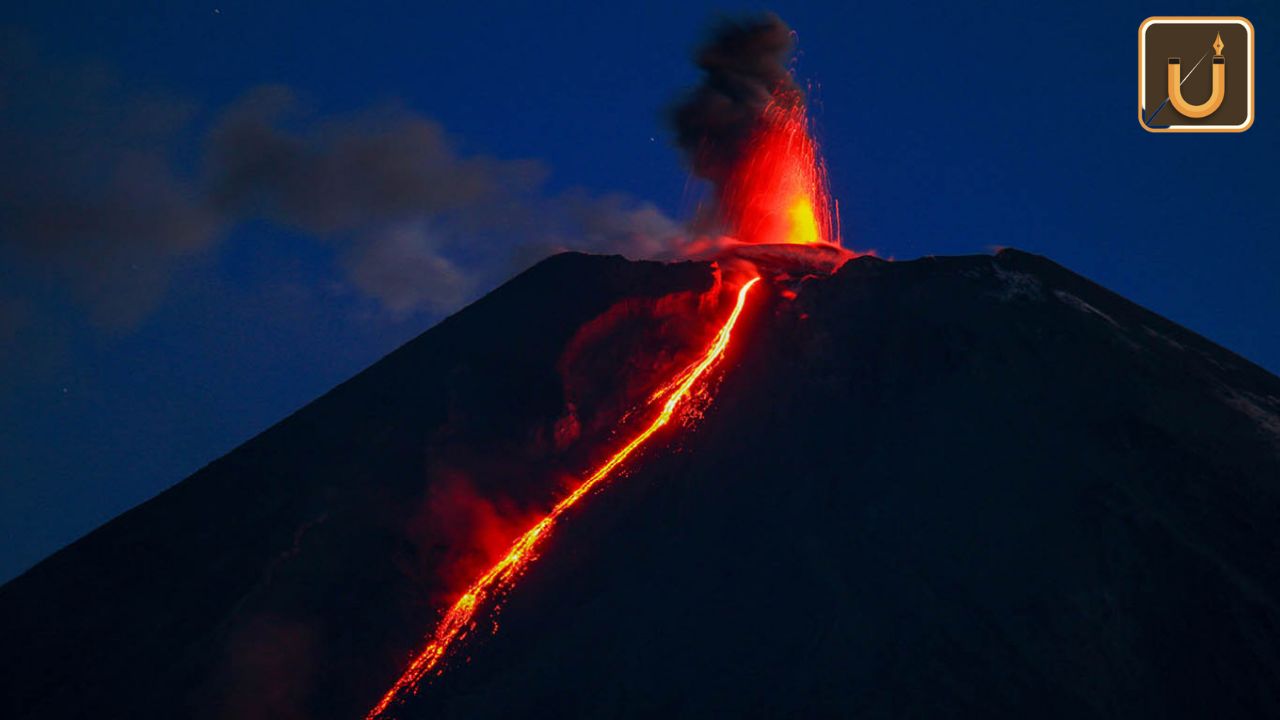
460, 619
777, 193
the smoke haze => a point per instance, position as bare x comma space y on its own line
95, 198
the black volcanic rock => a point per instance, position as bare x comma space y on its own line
952, 487
955, 487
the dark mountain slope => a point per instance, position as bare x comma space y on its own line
954, 487
288, 578
957, 487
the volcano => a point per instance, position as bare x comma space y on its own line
951, 487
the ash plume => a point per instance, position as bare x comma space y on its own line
745, 66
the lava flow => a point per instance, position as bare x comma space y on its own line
460, 618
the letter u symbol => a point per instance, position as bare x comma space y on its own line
1207, 107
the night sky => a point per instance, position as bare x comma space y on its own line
165, 293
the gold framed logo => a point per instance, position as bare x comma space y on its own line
1195, 74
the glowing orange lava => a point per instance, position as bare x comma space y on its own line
460, 619
778, 191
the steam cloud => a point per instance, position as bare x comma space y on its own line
745, 66
93, 195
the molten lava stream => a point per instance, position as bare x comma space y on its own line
460, 618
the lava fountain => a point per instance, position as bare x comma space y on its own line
777, 192
745, 128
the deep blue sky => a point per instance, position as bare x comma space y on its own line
948, 128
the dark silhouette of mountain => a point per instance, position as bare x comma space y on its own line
951, 487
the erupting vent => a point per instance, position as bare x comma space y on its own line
777, 194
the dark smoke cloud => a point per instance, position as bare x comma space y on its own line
93, 196
419, 224
385, 165
385, 186
745, 65
89, 193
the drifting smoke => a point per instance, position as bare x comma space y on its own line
89, 195
343, 175
386, 188
745, 66
96, 195
418, 224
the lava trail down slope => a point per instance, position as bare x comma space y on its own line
461, 617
